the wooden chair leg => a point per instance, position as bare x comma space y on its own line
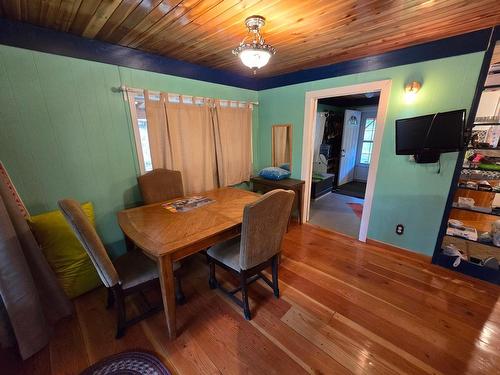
212, 281
180, 298
207, 257
274, 266
244, 295
111, 299
120, 310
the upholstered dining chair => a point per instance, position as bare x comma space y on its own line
130, 273
264, 224
160, 185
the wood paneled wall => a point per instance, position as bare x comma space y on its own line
65, 133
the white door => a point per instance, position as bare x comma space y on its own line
350, 134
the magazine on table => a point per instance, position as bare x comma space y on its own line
187, 204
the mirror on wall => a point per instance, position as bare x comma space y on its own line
282, 146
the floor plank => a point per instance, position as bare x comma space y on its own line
68, 354
345, 307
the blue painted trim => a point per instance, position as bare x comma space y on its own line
23, 35
458, 45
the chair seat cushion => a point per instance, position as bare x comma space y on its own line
227, 252
135, 268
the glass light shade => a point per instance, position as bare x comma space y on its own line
254, 58
411, 90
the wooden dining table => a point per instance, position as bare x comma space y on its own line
171, 236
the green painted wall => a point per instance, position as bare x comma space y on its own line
406, 193
64, 133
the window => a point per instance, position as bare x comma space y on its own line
209, 140
367, 145
142, 123
138, 113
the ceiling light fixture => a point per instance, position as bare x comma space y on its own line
254, 53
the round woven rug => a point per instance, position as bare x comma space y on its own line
128, 363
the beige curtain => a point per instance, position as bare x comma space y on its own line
210, 145
233, 138
158, 131
192, 144
32, 299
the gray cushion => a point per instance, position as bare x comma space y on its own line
264, 225
136, 268
263, 228
130, 269
227, 252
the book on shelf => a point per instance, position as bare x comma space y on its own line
469, 233
487, 120
479, 209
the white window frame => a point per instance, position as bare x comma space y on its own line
364, 118
130, 98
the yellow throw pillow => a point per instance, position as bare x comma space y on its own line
65, 254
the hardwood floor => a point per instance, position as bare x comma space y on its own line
346, 307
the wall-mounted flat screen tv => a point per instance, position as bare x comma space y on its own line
439, 132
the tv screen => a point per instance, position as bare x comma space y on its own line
441, 132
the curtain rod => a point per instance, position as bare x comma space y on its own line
124, 89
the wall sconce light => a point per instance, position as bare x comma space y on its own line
411, 90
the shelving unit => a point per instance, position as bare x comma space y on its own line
480, 220
483, 148
473, 241
484, 191
481, 169
475, 251
476, 211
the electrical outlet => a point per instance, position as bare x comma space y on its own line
400, 229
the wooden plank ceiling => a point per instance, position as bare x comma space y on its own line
306, 33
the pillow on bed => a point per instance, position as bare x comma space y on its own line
274, 173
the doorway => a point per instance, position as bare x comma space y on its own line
343, 130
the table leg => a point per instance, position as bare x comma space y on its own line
299, 192
129, 244
166, 273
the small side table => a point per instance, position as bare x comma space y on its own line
262, 185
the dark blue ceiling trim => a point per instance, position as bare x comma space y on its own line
23, 35
458, 45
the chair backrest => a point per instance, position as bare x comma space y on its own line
88, 237
160, 185
264, 225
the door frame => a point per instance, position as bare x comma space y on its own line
311, 105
